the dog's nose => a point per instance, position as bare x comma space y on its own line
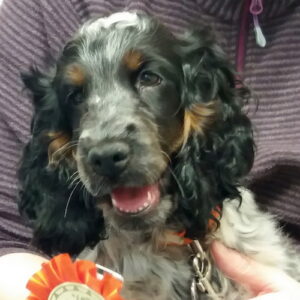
110, 159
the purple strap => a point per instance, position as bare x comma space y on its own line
242, 39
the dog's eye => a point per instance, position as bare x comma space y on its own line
148, 78
75, 97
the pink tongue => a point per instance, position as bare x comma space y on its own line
135, 199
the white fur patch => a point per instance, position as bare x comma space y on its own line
120, 19
96, 100
245, 228
85, 133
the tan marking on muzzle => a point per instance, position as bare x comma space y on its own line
133, 59
59, 147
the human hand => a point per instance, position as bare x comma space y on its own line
15, 271
263, 282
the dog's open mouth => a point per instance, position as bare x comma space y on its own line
135, 200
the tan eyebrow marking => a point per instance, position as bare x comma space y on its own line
76, 74
133, 59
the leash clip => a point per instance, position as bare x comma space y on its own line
202, 272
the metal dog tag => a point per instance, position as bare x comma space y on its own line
74, 291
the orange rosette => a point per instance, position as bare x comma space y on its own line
60, 275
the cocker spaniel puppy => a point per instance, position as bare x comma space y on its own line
139, 146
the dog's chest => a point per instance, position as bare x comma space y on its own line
149, 273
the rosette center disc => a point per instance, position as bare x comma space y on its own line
74, 291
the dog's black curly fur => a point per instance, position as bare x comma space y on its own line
211, 168
208, 167
45, 188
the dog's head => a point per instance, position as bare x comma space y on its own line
136, 123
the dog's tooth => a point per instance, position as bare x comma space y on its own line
149, 196
141, 208
146, 204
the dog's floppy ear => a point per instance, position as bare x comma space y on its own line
217, 143
46, 178
45, 103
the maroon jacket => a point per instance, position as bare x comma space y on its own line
31, 31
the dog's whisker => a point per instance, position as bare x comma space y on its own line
83, 187
69, 199
74, 181
166, 155
77, 178
74, 174
60, 156
65, 148
178, 182
85, 191
68, 146
180, 106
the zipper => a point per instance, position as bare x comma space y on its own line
254, 8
